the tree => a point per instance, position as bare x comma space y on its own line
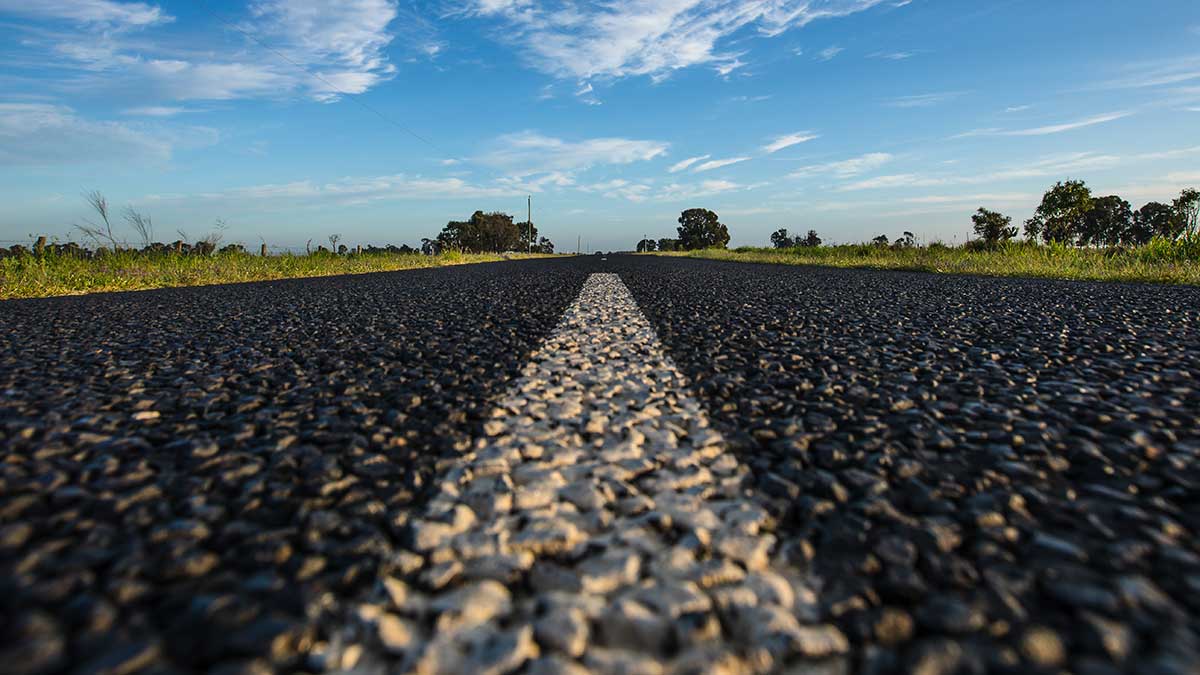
992, 226
1155, 220
1060, 217
1187, 210
646, 246
484, 232
780, 239
668, 244
430, 246
881, 240
905, 241
544, 245
811, 240
528, 240
700, 228
1106, 223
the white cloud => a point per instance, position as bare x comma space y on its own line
1055, 166
681, 192
894, 56
829, 53
356, 190
157, 111
619, 188
683, 164
1156, 73
923, 100
718, 163
343, 41
637, 37
1017, 108
39, 134
847, 168
788, 140
528, 152
1049, 129
115, 15
992, 197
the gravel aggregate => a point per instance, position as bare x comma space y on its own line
988, 475
196, 479
640, 549
756, 468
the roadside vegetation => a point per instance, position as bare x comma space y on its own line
108, 262
1071, 235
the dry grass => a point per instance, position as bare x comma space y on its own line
33, 276
1168, 262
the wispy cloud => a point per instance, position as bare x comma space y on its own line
1156, 73
718, 163
528, 152
355, 191
788, 140
342, 46
683, 164
893, 56
847, 168
1017, 108
829, 53
40, 134
633, 37
157, 111
676, 192
751, 99
1051, 128
112, 15
1054, 165
923, 100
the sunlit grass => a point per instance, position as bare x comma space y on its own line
32, 276
1160, 261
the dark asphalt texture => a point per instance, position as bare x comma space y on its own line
192, 477
988, 474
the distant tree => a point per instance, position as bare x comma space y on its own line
668, 244
780, 239
431, 246
647, 246
992, 227
1155, 220
811, 240
881, 240
1187, 210
484, 232
701, 228
905, 241
544, 245
1106, 223
528, 239
1060, 217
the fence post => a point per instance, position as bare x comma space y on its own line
262, 251
358, 250
40, 247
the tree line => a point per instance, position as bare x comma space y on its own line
1070, 214
488, 233
698, 228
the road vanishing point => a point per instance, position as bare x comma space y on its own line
623, 465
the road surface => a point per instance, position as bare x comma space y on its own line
622, 465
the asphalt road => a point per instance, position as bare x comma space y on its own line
977, 474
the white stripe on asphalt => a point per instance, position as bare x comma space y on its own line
600, 525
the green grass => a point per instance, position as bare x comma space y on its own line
1160, 261
32, 276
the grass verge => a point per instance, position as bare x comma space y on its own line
34, 276
1161, 261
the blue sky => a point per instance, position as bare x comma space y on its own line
851, 117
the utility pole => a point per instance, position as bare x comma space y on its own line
578, 240
529, 220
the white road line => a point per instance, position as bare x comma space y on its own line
600, 525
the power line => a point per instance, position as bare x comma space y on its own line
352, 97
